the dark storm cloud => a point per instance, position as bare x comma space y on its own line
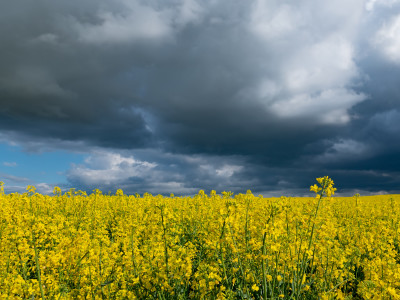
262, 94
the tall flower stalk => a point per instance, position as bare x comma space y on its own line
324, 189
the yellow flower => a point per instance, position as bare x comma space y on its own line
315, 188
392, 292
132, 248
255, 287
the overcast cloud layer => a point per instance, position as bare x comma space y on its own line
181, 95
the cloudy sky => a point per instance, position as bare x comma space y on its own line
166, 96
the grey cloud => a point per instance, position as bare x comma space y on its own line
155, 171
14, 179
249, 88
163, 173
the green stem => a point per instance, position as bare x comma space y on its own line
264, 267
220, 250
165, 242
37, 265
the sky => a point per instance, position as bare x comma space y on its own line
175, 96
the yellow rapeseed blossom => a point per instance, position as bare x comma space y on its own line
218, 246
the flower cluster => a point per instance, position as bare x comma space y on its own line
78, 246
326, 187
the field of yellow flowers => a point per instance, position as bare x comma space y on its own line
78, 246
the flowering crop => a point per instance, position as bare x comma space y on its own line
78, 246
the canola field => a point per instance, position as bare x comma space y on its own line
217, 246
